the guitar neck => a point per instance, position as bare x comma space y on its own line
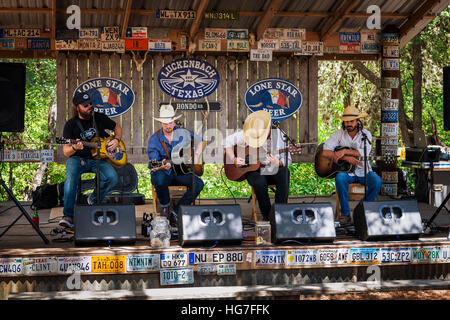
85, 143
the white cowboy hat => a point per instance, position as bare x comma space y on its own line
257, 128
351, 113
167, 114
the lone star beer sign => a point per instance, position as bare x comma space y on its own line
188, 79
109, 96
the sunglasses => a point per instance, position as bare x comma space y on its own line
86, 104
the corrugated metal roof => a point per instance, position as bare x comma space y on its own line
252, 13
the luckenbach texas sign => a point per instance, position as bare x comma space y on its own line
109, 96
277, 96
188, 79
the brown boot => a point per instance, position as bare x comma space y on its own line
345, 220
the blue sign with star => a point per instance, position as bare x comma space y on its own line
188, 79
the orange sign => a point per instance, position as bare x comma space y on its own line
136, 44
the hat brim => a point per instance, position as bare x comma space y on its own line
168, 120
257, 142
353, 117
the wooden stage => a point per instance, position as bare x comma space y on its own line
28, 265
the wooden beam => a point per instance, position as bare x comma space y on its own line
198, 19
53, 31
418, 15
335, 21
126, 17
265, 22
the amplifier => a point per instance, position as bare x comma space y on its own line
428, 154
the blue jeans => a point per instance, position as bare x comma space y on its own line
77, 166
161, 181
342, 182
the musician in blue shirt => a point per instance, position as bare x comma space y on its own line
169, 151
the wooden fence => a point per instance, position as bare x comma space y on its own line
237, 73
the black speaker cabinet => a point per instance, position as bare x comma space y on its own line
12, 91
105, 224
207, 224
446, 89
302, 221
394, 220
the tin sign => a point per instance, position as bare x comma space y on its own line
176, 14
389, 176
269, 44
425, 254
89, 33
389, 115
110, 33
349, 42
391, 51
188, 79
301, 257
333, 256
389, 82
214, 106
209, 45
290, 45
391, 64
444, 257
273, 33
159, 45
108, 264
386, 93
143, 262
42, 265
70, 265
395, 255
260, 55
136, 44
10, 266
237, 34
389, 129
389, 189
136, 32
312, 47
370, 41
221, 15
237, 45
39, 44
176, 276
389, 104
277, 96
207, 269
215, 34
89, 44
390, 38
226, 269
110, 96
269, 258
7, 44
365, 255
114, 46
173, 260
21, 33
216, 257
67, 45
294, 34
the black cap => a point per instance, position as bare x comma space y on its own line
81, 98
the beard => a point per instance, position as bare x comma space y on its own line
85, 114
350, 128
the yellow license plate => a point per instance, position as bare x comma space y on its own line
108, 264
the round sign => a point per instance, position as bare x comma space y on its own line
110, 96
188, 79
277, 96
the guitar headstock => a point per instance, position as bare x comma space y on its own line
295, 149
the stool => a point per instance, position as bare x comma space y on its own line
355, 193
272, 187
179, 195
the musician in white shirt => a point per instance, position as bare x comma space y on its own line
352, 135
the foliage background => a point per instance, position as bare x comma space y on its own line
340, 84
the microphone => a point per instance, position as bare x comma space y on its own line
275, 124
178, 123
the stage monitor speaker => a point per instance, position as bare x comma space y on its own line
446, 89
383, 220
105, 224
209, 224
302, 221
12, 91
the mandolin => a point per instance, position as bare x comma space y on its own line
117, 158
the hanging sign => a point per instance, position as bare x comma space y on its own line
21, 33
215, 34
237, 45
290, 45
109, 96
188, 79
312, 47
260, 55
349, 42
176, 14
7, 44
89, 44
221, 15
370, 42
277, 96
209, 45
391, 64
136, 32
391, 51
89, 33
237, 34
269, 44
136, 44
110, 34
159, 45
39, 44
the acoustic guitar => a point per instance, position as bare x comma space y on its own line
117, 158
253, 163
179, 169
326, 168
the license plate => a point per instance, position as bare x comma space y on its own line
143, 262
40, 265
174, 260
365, 255
10, 266
176, 276
425, 254
216, 257
108, 264
445, 254
301, 257
395, 255
74, 264
269, 257
333, 256
226, 269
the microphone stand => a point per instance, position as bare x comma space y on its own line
98, 156
365, 140
286, 139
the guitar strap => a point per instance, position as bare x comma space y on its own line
163, 143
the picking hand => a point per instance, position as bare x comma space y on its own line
239, 162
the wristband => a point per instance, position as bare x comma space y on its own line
74, 149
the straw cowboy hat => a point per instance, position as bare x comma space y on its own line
351, 113
257, 128
167, 114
